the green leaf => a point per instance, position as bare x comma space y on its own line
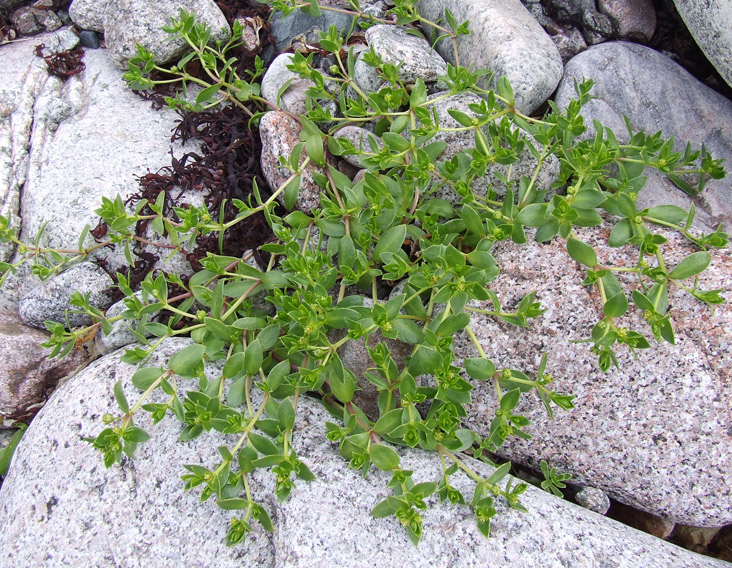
119, 396
237, 392
668, 213
533, 215
616, 306
233, 366
691, 266
286, 414
480, 369
218, 328
391, 241
135, 434
500, 473
292, 190
146, 376
581, 252
206, 94
388, 421
263, 445
473, 222
408, 331
233, 504
6, 454
621, 233
383, 509
187, 362
253, 358
384, 457
343, 387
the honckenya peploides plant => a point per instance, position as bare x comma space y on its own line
278, 329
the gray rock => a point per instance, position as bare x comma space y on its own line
62, 40
60, 506
656, 94
89, 14
293, 99
50, 300
414, 56
654, 434
460, 140
596, 27
593, 499
631, 18
359, 137
68, 145
131, 22
507, 40
22, 77
27, 375
710, 23
280, 133
87, 515
366, 77
297, 23
89, 38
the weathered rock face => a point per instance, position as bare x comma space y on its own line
710, 23
507, 40
656, 94
631, 18
654, 434
68, 145
27, 376
60, 506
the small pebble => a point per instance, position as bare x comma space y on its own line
89, 38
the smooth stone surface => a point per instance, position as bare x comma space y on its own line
89, 39
293, 99
710, 24
50, 300
656, 94
27, 376
70, 144
131, 22
655, 434
60, 506
413, 55
280, 133
506, 39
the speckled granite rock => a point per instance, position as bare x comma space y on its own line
593, 499
655, 434
49, 300
89, 14
657, 94
27, 376
414, 56
129, 22
59, 506
507, 40
280, 133
710, 23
